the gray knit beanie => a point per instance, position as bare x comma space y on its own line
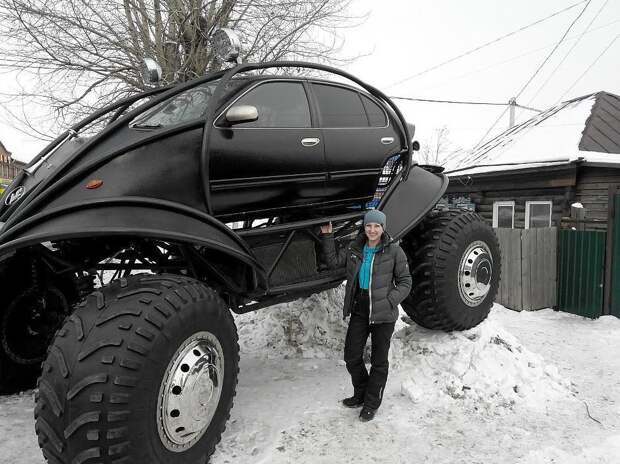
376, 217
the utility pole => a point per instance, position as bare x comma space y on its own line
513, 105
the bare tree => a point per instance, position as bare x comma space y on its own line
438, 149
80, 54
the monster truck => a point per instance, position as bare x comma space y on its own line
126, 244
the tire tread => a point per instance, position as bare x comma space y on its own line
79, 389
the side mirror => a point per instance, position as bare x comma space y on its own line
151, 71
415, 146
241, 113
411, 129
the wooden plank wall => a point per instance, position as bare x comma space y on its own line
529, 268
592, 191
539, 268
509, 293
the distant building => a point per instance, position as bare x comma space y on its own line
531, 174
9, 168
558, 176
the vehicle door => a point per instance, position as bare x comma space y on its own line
358, 140
276, 161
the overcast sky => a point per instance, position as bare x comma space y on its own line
402, 38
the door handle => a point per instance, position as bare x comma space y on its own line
310, 141
387, 140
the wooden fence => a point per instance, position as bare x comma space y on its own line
529, 268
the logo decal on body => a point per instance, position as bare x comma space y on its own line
14, 196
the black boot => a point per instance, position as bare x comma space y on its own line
367, 414
353, 402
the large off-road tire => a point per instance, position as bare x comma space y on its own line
454, 258
143, 372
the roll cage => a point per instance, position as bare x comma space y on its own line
17, 219
119, 116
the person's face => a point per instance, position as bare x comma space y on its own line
373, 231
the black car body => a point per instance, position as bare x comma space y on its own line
175, 170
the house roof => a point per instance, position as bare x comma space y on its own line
602, 131
586, 129
3, 148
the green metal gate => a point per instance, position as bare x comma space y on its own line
614, 306
581, 272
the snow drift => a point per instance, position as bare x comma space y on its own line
308, 328
484, 368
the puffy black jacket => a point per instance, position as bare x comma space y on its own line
390, 280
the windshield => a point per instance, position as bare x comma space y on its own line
185, 106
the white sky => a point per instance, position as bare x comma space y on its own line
404, 37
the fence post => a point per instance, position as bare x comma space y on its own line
609, 246
580, 214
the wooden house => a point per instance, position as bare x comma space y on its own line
557, 170
530, 175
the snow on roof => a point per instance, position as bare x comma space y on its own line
550, 138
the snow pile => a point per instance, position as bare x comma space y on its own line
308, 327
484, 368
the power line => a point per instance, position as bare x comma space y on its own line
517, 57
457, 102
585, 31
480, 47
554, 49
534, 74
490, 129
591, 66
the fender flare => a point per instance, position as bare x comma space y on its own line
130, 216
409, 199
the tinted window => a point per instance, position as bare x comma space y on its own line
339, 107
376, 115
279, 104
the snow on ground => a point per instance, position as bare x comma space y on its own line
519, 388
486, 369
309, 328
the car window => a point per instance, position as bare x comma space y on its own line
185, 106
340, 107
376, 115
279, 104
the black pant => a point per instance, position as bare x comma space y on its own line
369, 387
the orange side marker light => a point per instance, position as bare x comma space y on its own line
94, 184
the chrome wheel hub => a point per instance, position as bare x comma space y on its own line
475, 272
190, 391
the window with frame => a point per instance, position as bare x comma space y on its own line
504, 214
340, 107
279, 104
538, 214
374, 112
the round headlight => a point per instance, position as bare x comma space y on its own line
226, 44
151, 71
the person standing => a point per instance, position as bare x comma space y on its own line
378, 279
